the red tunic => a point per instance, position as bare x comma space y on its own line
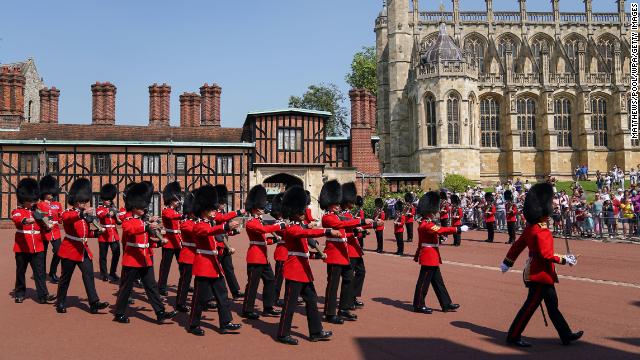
27, 238
221, 218
77, 232
398, 225
428, 251
296, 266
444, 211
336, 248
408, 217
188, 252
382, 217
512, 212
171, 222
281, 253
53, 209
540, 267
109, 224
489, 215
354, 249
123, 214
308, 216
257, 233
205, 263
137, 248
456, 216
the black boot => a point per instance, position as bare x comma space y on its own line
183, 308
519, 343
251, 315
197, 331
98, 305
321, 336
289, 340
230, 327
573, 337
345, 314
19, 299
334, 319
122, 319
163, 315
271, 312
48, 299
61, 309
54, 278
451, 308
423, 310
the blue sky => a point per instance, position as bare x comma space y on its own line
259, 51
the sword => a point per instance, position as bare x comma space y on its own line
544, 316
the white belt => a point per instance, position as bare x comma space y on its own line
188, 244
430, 245
172, 231
108, 226
75, 238
258, 243
298, 253
342, 240
207, 252
136, 245
32, 232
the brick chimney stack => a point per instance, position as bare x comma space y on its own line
11, 97
159, 100
363, 113
104, 103
189, 110
49, 105
210, 97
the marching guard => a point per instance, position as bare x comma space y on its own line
225, 251
456, 218
28, 245
398, 227
512, 214
379, 215
109, 239
489, 216
50, 231
409, 214
539, 274
187, 254
445, 209
280, 254
74, 250
428, 255
171, 196
359, 213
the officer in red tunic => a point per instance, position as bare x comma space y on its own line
28, 245
489, 215
409, 214
445, 210
539, 273
379, 215
338, 264
456, 218
280, 254
428, 255
74, 250
512, 215
225, 252
50, 227
209, 276
297, 270
109, 239
187, 254
137, 260
171, 196
359, 213
398, 227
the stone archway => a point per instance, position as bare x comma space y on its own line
282, 181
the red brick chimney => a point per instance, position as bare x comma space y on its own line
159, 100
189, 110
104, 103
210, 97
363, 157
49, 105
11, 97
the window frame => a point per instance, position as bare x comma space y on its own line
431, 120
285, 132
453, 119
49, 163
223, 163
94, 163
182, 171
599, 119
562, 118
490, 123
147, 162
526, 109
35, 162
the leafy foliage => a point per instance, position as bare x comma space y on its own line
363, 70
325, 97
456, 183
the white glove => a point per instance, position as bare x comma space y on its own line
504, 268
571, 259
464, 228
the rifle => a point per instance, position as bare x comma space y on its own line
92, 219
43, 217
156, 233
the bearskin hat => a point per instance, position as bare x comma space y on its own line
276, 205
488, 197
294, 202
399, 205
187, 204
429, 203
508, 195
378, 202
108, 192
48, 185
257, 198
455, 199
223, 193
171, 192
126, 189
538, 203
443, 195
150, 189
80, 191
349, 193
138, 196
28, 190
408, 198
330, 194
206, 198
308, 197
359, 201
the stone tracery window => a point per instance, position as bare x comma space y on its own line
562, 121
489, 123
475, 47
536, 48
430, 115
508, 43
526, 108
605, 49
453, 119
599, 120
472, 122
571, 48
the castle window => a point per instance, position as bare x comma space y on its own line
29, 110
154, 205
151, 164
472, 122
343, 153
605, 49
599, 121
224, 165
290, 139
101, 164
430, 112
571, 47
53, 164
508, 43
536, 49
28, 163
476, 48
453, 119
526, 108
489, 123
181, 164
562, 121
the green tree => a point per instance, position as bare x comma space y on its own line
456, 183
325, 97
363, 70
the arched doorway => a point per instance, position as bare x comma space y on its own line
278, 183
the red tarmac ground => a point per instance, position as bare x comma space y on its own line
601, 296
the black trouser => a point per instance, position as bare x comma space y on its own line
511, 230
279, 278
206, 288
537, 293
359, 272
457, 238
36, 261
334, 274
490, 231
129, 276
443, 223
400, 243
409, 227
292, 290
165, 266
430, 275
115, 256
55, 259
183, 283
380, 240
226, 261
255, 272
86, 268
361, 240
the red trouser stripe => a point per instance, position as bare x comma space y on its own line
528, 312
